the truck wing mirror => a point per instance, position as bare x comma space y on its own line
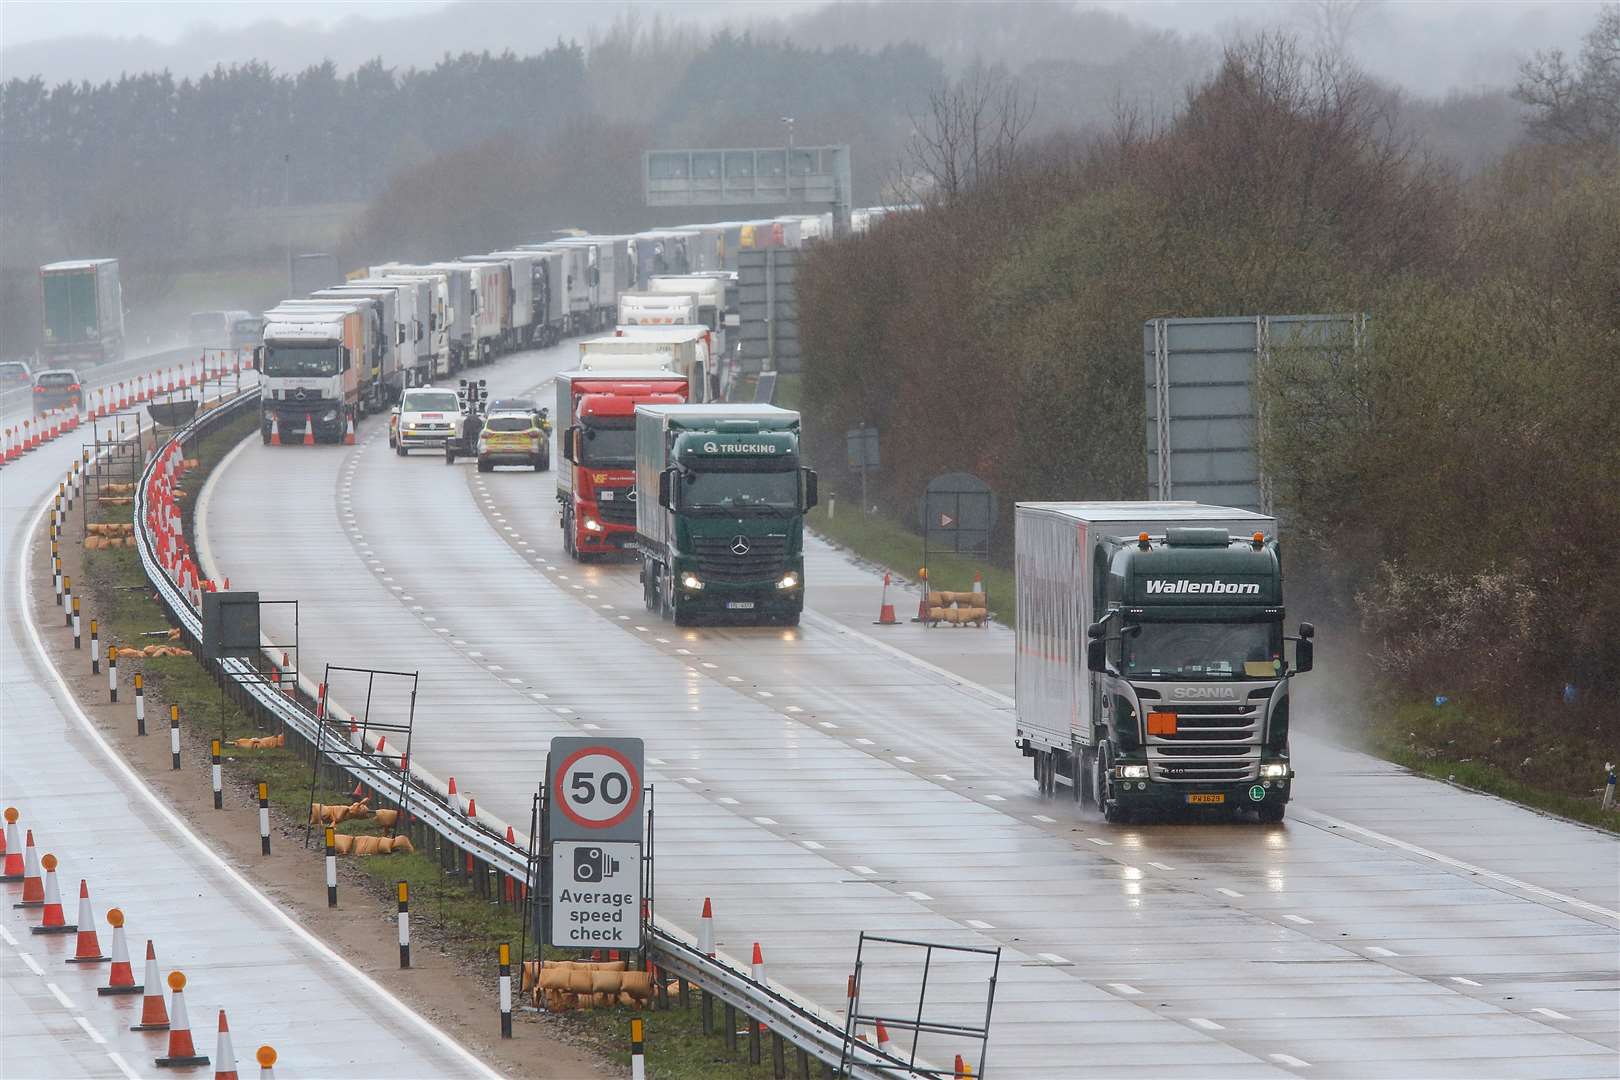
1094, 631
568, 444
1097, 655
666, 484
258, 358
348, 359
810, 491
1304, 653
1307, 631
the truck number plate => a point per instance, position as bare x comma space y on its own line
739, 605
605, 496
1206, 797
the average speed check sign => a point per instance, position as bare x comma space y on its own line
595, 789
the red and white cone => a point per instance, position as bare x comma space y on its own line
53, 922
181, 1051
14, 853
759, 965
455, 799
348, 434
275, 431
224, 1052
33, 894
154, 1016
89, 948
266, 1057
882, 1037
886, 609
309, 429
706, 929
121, 977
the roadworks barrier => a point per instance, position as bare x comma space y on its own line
345, 844
566, 985
268, 742
957, 608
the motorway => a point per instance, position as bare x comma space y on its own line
823, 780
239, 952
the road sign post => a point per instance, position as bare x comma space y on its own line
594, 825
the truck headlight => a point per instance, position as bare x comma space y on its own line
592, 525
789, 580
328, 415
1131, 772
690, 580
1274, 770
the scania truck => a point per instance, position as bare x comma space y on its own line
596, 425
1151, 671
721, 498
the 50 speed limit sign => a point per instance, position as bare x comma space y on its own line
594, 789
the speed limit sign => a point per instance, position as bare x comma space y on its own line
595, 789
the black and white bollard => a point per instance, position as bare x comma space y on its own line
174, 737
216, 775
95, 649
331, 866
140, 704
506, 991
112, 673
78, 640
638, 1060
67, 601
404, 924
264, 818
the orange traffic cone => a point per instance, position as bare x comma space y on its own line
89, 950
706, 929
978, 582
348, 434
275, 431
758, 965
121, 978
882, 1038
14, 857
181, 1051
224, 1052
309, 429
885, 609
455, 799
33, 894
53, 921
154, 1017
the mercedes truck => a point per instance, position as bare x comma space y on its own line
1151, 671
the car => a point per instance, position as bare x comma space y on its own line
514, 404
58, 388
423, 418
16, 373
515, 437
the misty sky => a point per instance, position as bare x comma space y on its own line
1430, 46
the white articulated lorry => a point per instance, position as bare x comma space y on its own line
1151, 672
681, 349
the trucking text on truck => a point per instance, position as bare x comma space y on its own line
720, 511
1151, 672
596, 421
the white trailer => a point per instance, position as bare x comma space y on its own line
683, 350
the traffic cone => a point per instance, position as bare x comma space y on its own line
758, 965
33, 894
348, 434
706, 929
275, 431
960, 1069
224, 1052
882, 1038
53, 922
14, 857
472, 808
181, 1051
89, 948
978, 582
309, 429
266, 1057
154, 1017
455, 800
120, 978
886, 609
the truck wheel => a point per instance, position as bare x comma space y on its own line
484, 466
1272, 813
1083, 780
1112, 812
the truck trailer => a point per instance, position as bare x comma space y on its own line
1150, 667
83, 304
596, 425
684, 350
721, 499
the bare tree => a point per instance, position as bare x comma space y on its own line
1577, 104
968, 135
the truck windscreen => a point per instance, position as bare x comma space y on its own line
734, 491
1199, 650
294, 362
610, 446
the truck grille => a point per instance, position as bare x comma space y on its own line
1215, 742
765, 558
621, 511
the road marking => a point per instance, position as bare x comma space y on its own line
496, 667
766, 821
1126, 988
562, 710
591, 727
813, 845
1233, 893
123, 1066
1045, 819
708, 665
915, 895
6, 936
1161, 866
1464, 982
829, 725
662, 640
733, 678
681, 652
979, 924
859, 869
1551, 1014
538, 696
1099, 841
655, 761
95, 1036
1207, 1025
515, 681
56, 992
33, 965
642, 629
1458, 864
441, 629
994, 798
793, 709
474, 652
690, 780
947, 777
1054, 958
727, 800
1302, 920
1290, 1060
905, 760
1379, 950
863, 742
766, 693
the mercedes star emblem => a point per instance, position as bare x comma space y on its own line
739, 545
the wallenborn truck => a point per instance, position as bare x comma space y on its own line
596, 425
1150, 666
84, 312
720, 507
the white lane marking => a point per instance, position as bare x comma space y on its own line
474, 652
689, 780
515, 681
864, 742
655, 761
915, 895
765, 821
591, 727
829, 725
1551, 1014
1233, 893
33, 965
793, 709
1302, 920
1054, 958
1043, 818
56, 992
441, 629
642, 629
682, 652
496, 667
979, 924
1290, 1060
95, 1036
813, 845
538, 696
859, 869
562, 710
1125, 988
1099, 841
708, 665
123, 1066
766, 693
1206, 1024
727, 800
1458, 864
662, 640
5, 935
994, 798
1161, 866
1465, 982
733, 678
905, 760
1379, 950
947, 777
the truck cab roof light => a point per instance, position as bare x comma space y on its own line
1259, 540
1142, 539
